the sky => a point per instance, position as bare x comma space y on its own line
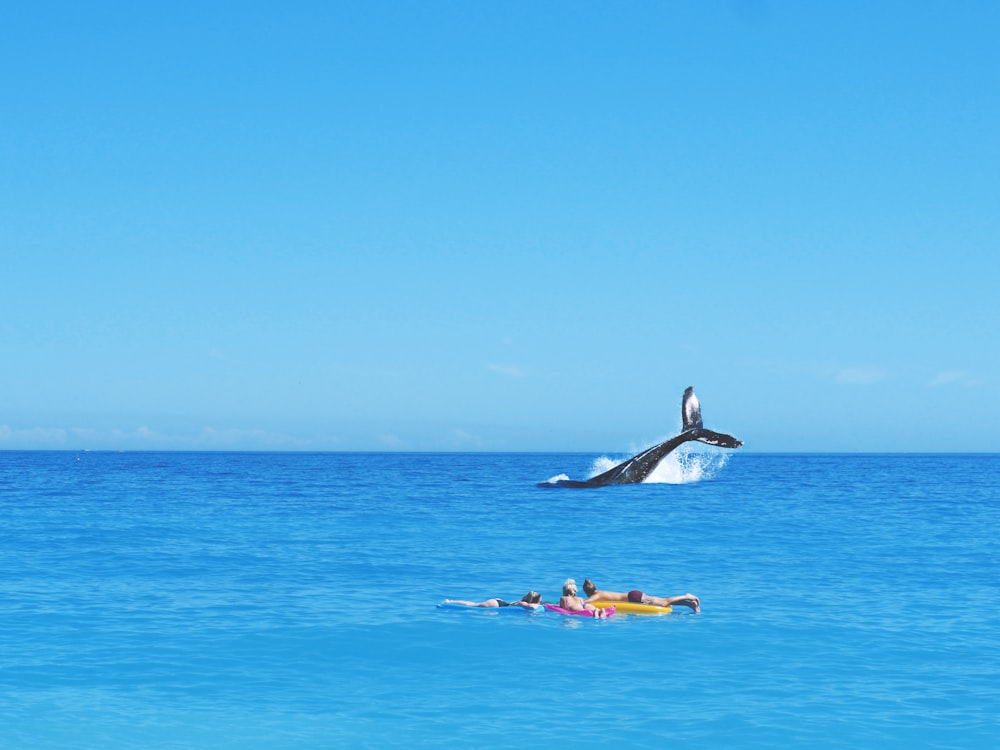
442, 226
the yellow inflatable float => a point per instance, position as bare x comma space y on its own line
632, 608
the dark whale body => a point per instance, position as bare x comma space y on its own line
640, 466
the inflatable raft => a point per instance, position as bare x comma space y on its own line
609, 610
511, 608
633, 608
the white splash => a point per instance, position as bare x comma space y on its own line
680, 467
602, 465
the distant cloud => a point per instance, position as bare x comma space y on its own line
221, 356
465, 439
76, 437
861, 375
956, 377
55, 436
511, 370
943, 378
141, 438
235, 437
389, 440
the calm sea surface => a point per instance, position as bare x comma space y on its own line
249, 600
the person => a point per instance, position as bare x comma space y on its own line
596, 595
575, 603
531, 600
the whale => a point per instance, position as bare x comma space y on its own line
641, 465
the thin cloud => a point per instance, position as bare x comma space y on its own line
34, 435
861, 375
954, 377
141, 438
390, 440
237, 437
460, 437
512, 371
80, 437
944, 378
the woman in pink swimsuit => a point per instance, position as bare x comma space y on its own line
574, 603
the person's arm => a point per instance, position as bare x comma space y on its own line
600, 596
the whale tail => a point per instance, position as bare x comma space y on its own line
693, 428
715, 438
690, 411
637, 468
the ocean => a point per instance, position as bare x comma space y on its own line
288, 600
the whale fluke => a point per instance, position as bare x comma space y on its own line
640, 466
690, 410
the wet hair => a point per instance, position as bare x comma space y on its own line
569, 587
588, 587
532, 597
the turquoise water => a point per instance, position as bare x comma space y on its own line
170, 600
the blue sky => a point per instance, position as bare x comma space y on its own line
499, 226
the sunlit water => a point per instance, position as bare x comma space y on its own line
288, 600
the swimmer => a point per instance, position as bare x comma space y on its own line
531, 600
575, 603
596, 595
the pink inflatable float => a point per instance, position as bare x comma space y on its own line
608, 611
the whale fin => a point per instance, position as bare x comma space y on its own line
716, 438
690, 411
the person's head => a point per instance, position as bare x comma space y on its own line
532, 597
589, 588
569, 587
